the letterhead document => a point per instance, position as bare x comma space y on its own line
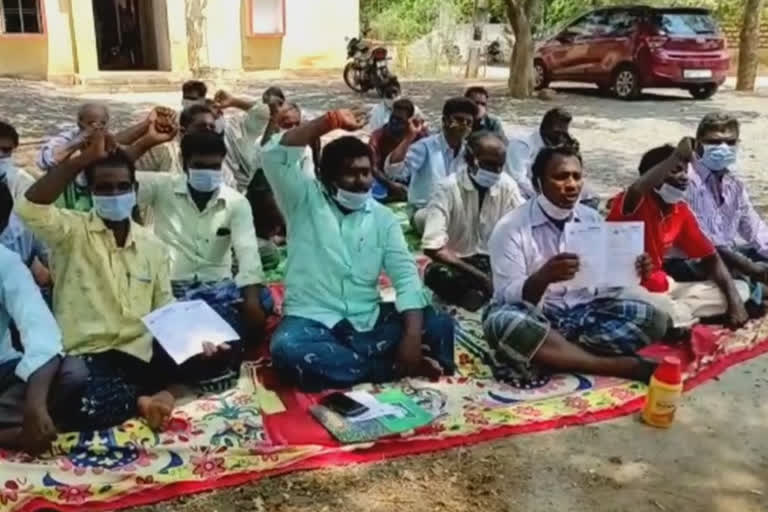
182, 328
607, 251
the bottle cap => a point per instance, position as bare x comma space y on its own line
669, 371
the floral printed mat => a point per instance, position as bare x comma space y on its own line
258, 429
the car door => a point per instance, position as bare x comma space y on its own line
563, 50
577, 38
612, 43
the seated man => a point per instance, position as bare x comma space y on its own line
522, 151
38, 387
382, 112
720, 200
110, 272
335, 332
202, 221
657, 198
18, 180
433, 158
485, 122
384, 140
461, 215
91, 118
15, 236
536, 322
244, 136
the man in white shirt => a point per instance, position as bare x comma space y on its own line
461, 215
382, 111
537, 323
522, 150
38, 388
425, 162
202, 221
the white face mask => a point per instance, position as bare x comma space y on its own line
186, 103
220, 124
204, 180
351, 200
552, 210
671, 194
485, 178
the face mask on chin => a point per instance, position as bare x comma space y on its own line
220, 124
551, 209
351, 200
186, 102
718, 157
114, 208
671, 194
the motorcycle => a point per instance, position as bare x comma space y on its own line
494, 53
367, 69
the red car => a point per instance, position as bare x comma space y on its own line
624, 49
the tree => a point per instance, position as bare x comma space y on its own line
522, 15
748, 45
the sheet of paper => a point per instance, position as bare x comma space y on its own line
607, 251
182, 327
375, 410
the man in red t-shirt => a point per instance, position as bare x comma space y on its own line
658, 199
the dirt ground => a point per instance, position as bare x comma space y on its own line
714, 459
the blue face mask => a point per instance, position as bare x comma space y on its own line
352, 200
114, 208
485, 178
204, 180
718, 157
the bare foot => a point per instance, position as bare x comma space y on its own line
156, 409
429, 368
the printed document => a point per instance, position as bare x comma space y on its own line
607, 251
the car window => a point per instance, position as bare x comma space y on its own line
594, 24
685, 23
622, 23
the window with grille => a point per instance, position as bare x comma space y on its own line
267, 17
20, 17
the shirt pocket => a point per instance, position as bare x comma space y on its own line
140, 288
220, 243
368, 263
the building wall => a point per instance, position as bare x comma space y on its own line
23, 56
314, 36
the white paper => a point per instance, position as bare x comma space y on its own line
375, 410
607, 251
182, 327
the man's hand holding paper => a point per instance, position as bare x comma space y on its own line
610, 254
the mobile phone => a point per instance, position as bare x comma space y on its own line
343, 405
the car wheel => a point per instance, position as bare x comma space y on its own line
704, 91
626, 83
540, 75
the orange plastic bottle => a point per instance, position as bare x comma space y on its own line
664, 393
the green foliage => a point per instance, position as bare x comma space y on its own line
407, 20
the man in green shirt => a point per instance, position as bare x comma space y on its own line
336, 332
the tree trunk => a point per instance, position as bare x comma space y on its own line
748, 45
521, 15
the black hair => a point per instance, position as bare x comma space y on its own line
654, 157
7, 130
717, 121
556, 115
191, 112
117, 158
476, 89
405, 104
202, 143
194, 86
274, 91
546, 155
6, 204
459, 105
337, 152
